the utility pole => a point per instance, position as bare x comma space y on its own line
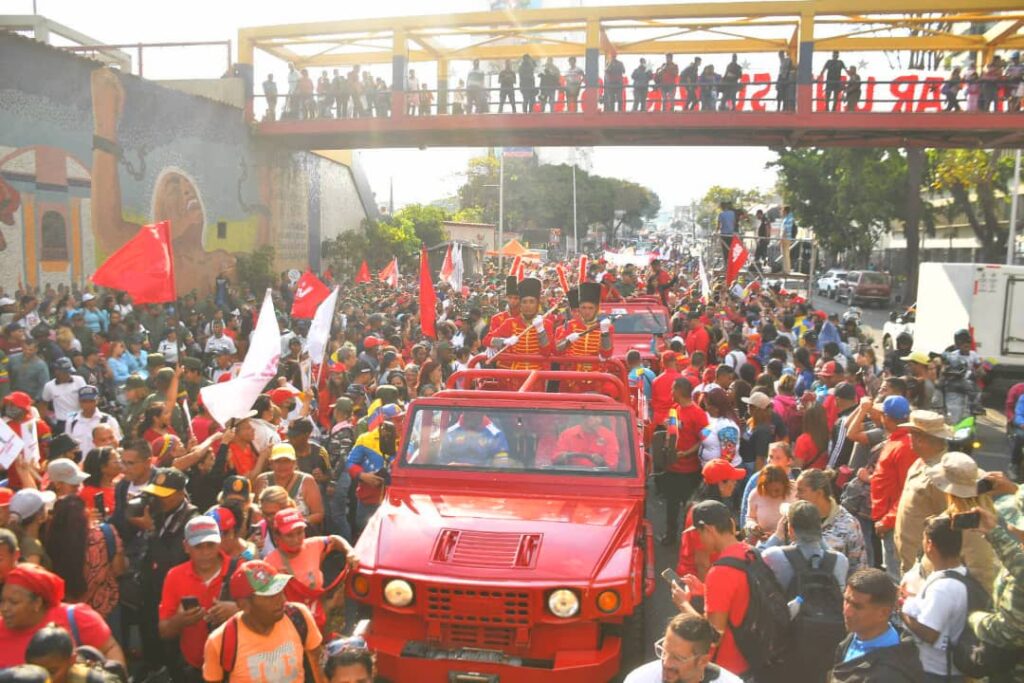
575, 232
1011, 239
501, 211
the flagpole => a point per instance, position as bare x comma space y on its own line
501, 211
575, 234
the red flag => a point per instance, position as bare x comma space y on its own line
390, 273
309, 293
521, 273
516, 264
428, 297
143, 266
584, 264
447, 267
363, 276
563, 281
738, 255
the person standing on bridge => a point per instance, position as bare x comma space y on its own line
667, 76
527, 82
784, 83
475, 93
852, 89
641, 79
550, 78
270, 93
730, 86
291, 107
412, 97
833, 73
614, 73
507, 85
574, 78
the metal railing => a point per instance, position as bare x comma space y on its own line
901, 95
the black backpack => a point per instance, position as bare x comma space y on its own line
764, 634
972, 656
818, 627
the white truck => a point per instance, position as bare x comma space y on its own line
987, 299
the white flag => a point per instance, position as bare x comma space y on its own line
454, 278
320, 328
705, 288
235, 397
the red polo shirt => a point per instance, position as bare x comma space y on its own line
182, 581
691, 421
698, 340
602, 443
661, 395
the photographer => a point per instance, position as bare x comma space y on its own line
166, 512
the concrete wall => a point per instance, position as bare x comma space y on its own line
87, 155
224, 90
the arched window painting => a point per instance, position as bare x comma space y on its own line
54, 237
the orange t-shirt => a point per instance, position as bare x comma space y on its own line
304, 567
242, 458
276, 656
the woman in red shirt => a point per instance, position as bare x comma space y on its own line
811, 447
103, 465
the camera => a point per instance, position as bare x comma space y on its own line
136, 507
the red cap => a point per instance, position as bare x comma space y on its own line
829, 369
257, 577
280, 395
5, 496
288, 520
718, 470
19, 399
822, 315
372, 342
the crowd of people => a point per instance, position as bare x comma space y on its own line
529, 86
800, 472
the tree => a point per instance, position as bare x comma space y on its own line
978, 180
847, 196
710, 203
256, 270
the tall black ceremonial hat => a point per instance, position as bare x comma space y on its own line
529, 286
590, 293
511, 285
573, 295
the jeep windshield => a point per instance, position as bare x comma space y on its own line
593, 442
639, 321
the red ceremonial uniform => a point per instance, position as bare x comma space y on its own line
589, 343
529, 341
497, 320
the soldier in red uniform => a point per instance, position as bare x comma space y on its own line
526, 333
512, 297
586, 335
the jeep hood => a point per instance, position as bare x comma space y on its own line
514, 537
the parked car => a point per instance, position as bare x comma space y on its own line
828, 282
865, 287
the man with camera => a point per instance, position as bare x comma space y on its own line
164, 514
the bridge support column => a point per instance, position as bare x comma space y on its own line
805, 65
399, 68
592, 68
246, 50
442, 86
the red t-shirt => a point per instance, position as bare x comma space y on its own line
242, 458
92, 630
698, 340
807, 454
726, 590
202, 427
182, 581
661, 395
688, 547
88, 494
692, 419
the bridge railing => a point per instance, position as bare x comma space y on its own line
929, 95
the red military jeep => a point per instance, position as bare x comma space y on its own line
640, 323
512, 544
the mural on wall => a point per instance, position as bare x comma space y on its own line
88, 155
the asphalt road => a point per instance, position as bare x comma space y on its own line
992, 456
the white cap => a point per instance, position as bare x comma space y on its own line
28, 502
65, 471
87, 297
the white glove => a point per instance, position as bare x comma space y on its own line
538, 323
573, 337
606, 326
511, 341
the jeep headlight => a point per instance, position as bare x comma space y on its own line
563, 603
398, 593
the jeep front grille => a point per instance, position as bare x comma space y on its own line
486, 637
478, 607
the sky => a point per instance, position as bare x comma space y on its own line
678, 175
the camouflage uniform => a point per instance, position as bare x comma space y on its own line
1004, 625
842, 532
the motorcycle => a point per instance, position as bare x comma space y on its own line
965, 436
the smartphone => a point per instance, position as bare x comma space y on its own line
189, 602
985, 486
672, 578
784, 510
101, 507
966, 520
